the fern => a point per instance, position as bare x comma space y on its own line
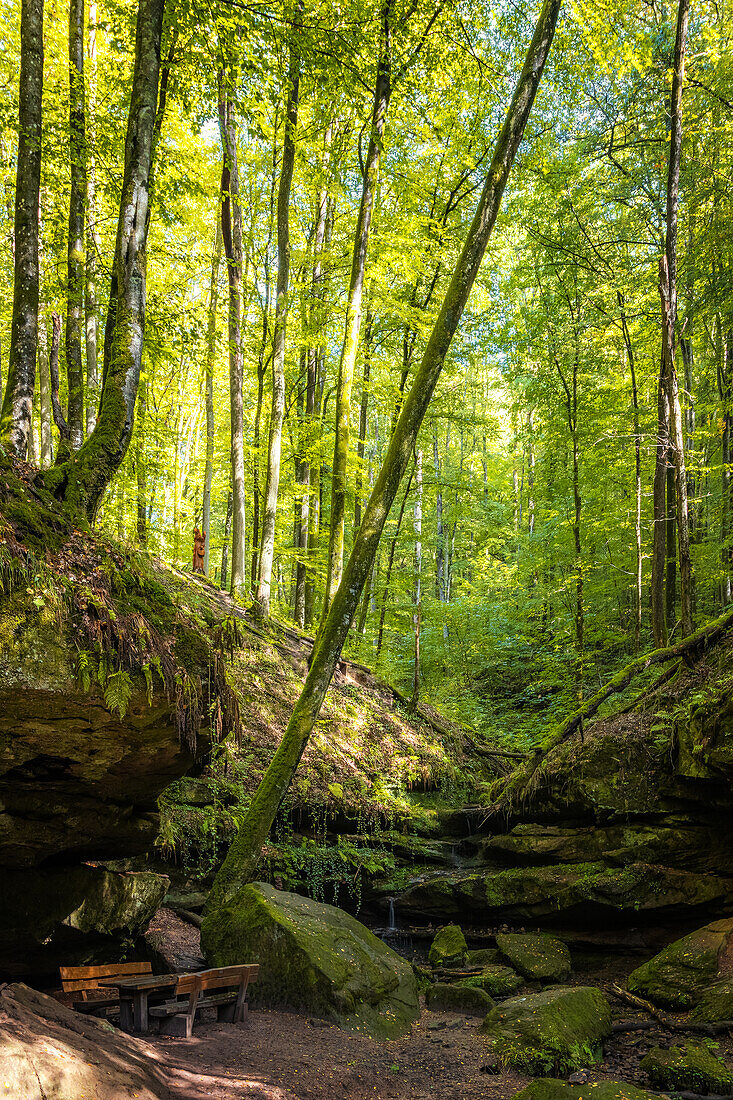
117, 692
84, 669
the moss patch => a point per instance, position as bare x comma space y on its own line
549, 1089
497, 981
443, 997
536, 956
692, 1067
556, 1031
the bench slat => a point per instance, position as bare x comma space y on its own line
76, 978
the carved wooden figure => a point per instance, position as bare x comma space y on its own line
199, 542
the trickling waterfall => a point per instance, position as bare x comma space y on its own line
391, 921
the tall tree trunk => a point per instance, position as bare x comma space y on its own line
225, 543
363, 413
83, 479
637, 473
382, 93
15, 419
93, 244
390, 563
141, 465
244, 853
302, 498
668, 294
231, 230
210, 364
725, 390
77, 203
44, 387
417, 594
274, 451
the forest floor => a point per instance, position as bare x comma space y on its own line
285, 1055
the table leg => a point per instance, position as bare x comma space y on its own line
140, 1011
126, 1013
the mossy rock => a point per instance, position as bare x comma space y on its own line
556, 1031
483, 956
536, 956
443, 997
680, 975
715, 1004
315, 958
449, 948
546, 1088
691, 1066
497, 981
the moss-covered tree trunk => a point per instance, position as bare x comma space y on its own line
15, 419
210, 363
272, 483
244, 854
75, 240
82, 480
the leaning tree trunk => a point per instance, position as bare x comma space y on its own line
272, 483
382, 93
82, 480
244, 853
75, 242
15, 419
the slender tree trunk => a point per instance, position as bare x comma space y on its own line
44, 385
83, 479
658, 615
417, 595
390, 564
77, 203
93, 244
302, 499
210, 364
637, 474
15, 419
141, 465
244, 853
225, 544
382, 93
725, 389
530, 472
231, 230
363, 412
668, 294
272, 485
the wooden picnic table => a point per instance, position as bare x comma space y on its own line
135, 993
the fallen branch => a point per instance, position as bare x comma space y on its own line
648, 693
631, 1025
646, 1006
691, 646
188, 916
667, 1022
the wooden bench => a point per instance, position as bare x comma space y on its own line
177, 1016
86, 981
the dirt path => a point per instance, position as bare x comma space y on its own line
286, 1056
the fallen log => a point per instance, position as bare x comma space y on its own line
691, 646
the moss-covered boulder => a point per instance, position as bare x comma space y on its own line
496, 980
313, 957
706, 739
556, 1031
691, 1066
449, 947
536, 956
548, 1088
716, 1003
483, 956
681, 974
444, 997
576, 891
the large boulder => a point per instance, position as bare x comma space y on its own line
73, 915
680, 975
691, 1066
470, 1000
580, 891
449, 947
497, 981
556, 1031
547, 1088
49, 1052
716, 1003
313, 957
536, 956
